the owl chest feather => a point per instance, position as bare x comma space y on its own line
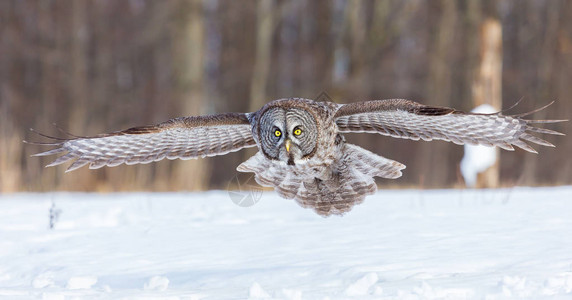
321, 165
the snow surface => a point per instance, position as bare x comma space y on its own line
478, 158
399, 244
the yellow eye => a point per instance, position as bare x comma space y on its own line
297, 131
277, 132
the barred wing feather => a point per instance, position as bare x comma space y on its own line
410, 120
184, 138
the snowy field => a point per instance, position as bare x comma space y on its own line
399, 244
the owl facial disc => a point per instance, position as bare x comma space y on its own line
288, 134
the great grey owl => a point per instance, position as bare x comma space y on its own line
302, 151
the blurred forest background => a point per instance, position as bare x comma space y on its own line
95, 66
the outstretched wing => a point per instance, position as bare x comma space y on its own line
411, 120
184, 138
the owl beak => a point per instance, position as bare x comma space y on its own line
287, 143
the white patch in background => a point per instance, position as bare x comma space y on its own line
427, 291
257, 292
292, 294
81, 282
477, 158
558, 285
43, 280
361, 286
53, 296
157, 283
514, 286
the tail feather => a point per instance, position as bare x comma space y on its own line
351, 181
270, 175
347, 183
371, 164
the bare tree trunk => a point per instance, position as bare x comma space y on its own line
544, 77
563, 167
10, 138
357, 25
439, 88
193, 174
10, 156
487, 86
358, 53
264, 33
78, 67
78, 85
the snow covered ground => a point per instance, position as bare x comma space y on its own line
399, 244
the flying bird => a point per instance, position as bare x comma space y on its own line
302, 152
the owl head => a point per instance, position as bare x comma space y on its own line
288, 134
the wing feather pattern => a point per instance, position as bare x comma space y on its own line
184, 138
411, 120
